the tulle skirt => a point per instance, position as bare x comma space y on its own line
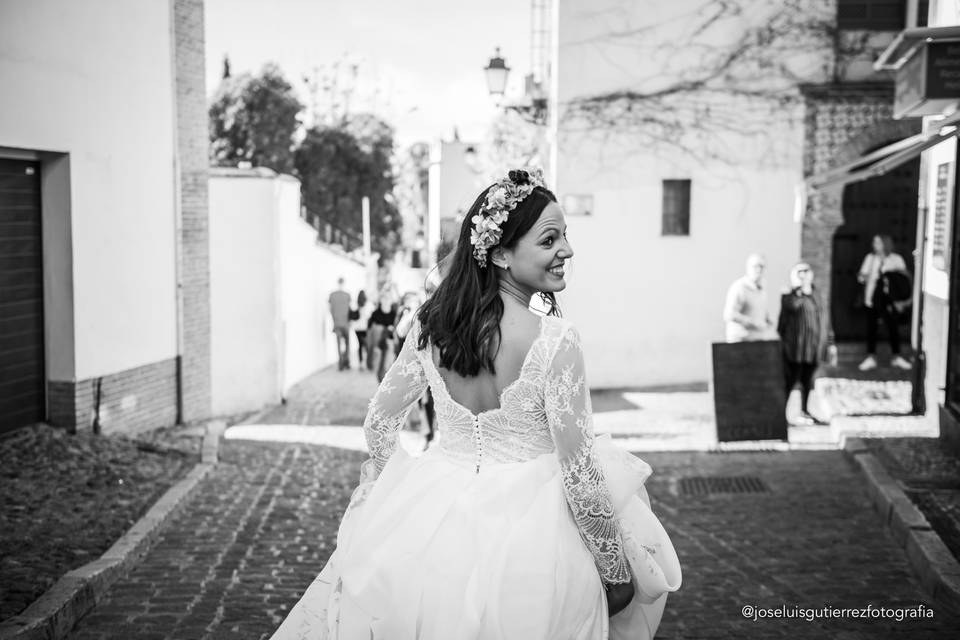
437, 551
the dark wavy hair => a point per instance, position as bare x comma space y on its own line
462, 317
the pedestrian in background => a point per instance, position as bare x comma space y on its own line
426, 401
340, 312
361, 322
382, 324
745, 311
801, 336
879, 268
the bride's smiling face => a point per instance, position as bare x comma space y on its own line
537, 261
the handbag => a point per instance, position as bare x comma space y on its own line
858, 302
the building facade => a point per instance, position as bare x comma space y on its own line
104, 297
682, 134
454, 183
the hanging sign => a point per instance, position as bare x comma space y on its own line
929, 81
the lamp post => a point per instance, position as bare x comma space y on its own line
534, 107
497, 72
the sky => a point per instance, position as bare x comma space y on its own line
419, 62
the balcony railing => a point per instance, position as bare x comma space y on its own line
331, 233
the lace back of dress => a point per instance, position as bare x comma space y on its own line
514, 432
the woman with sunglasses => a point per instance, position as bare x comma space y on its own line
801, 335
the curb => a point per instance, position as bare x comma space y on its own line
54, 614
930, 559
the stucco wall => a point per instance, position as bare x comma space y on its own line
101, 91
244, 299
648, 306
270, 280
308, 274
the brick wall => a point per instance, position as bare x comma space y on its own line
842, 123
134, 400
193, 258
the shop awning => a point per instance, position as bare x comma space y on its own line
886, 158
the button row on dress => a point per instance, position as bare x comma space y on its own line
477, 442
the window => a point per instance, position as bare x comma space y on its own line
873, 15
676, 208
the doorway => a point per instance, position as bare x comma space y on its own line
22, 371
885, 205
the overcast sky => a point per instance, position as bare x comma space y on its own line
420, 61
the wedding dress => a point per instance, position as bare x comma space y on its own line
507, 528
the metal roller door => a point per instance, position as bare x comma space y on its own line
21, 296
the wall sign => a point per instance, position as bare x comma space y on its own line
940, 244
929, 81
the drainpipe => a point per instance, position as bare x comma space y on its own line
96, 407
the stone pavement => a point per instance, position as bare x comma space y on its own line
239, 555
235, 561
263, 524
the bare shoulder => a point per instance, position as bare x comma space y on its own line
520, 329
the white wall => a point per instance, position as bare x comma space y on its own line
648, 306
454, 184
308, 274
244, 299
269, 281
68, 90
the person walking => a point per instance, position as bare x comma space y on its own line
360, 325
800, 327
383, 321
879, 267
745, 310
340, 312
520, 523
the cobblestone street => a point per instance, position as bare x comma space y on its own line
234, 561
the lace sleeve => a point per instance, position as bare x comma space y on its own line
400, 388
567, 402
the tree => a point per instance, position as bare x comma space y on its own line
337, 169
254, 119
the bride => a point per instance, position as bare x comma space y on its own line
518, 523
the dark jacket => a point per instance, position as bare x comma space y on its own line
801, 326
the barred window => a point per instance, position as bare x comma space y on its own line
676, 208
873, 15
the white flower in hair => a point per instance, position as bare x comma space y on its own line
502, 198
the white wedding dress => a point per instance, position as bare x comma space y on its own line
506, 529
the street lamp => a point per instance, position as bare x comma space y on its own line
497, 72
534, 107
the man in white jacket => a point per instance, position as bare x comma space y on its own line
745, 311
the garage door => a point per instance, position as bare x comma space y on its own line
21, 296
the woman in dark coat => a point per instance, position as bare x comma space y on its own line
801, 331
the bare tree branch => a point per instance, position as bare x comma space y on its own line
741, 62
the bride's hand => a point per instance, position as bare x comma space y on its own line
618, 597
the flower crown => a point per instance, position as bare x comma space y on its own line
502, 198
